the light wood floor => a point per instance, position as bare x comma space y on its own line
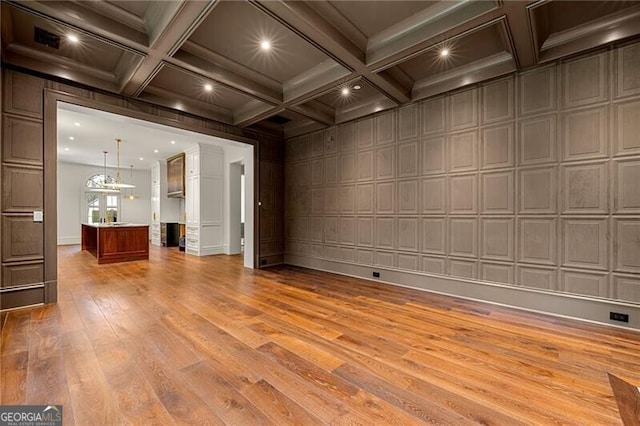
204, 341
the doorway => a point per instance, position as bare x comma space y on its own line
95, 207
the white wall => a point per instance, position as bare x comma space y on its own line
234, 208
250, 200
242, 155
70, 190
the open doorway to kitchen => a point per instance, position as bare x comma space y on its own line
88, 156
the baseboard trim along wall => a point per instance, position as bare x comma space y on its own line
65, 241
208, 250
557, 304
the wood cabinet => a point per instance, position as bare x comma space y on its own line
175, 176
111, 244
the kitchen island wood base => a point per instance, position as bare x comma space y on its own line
116, 243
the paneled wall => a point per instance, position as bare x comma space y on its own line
28, 272
530, 180
23, 269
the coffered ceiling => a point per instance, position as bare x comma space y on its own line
326, 62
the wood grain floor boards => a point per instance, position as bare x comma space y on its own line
13, 371
15, 335
91, 397
172, 389
226, 401
277, 406
187, 340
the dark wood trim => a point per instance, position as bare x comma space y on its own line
256, 206
22, 187
28, 250
11, 298
50, 151
8, 156
22, 273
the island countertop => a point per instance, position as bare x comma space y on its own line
116, 242
114, 225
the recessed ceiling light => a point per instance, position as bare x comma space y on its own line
73, 38
265, 45
141, 158
208, 87
155, 150
444, 52
356, 87
173, 142
66, 149
76, 124
71, 138
345, 91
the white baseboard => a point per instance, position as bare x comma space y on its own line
65, 241
206, 251
546, 302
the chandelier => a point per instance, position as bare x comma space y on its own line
118, 184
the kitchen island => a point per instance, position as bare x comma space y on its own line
116, 242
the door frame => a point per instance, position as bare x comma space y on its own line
51, 99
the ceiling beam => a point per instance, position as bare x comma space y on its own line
169, 26
303, 86
202, 61
254, 112
185, 103
475, 72
607, 29
317, 111
114, 12
54, 61
518, 26
421, 30
300, 127
308, 24
88, 22
365, 107
70, 71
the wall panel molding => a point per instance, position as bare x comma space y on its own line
529, 180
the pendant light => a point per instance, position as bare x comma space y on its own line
102, 184
131, 196
118, 183
104, 170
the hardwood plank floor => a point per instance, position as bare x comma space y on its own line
187, 340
